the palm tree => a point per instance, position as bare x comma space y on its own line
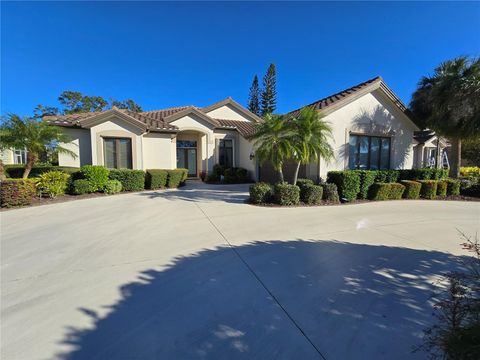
311, 138
449, 103
273, 142
35, 136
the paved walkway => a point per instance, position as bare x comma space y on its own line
196, 273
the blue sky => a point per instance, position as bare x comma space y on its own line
171, 54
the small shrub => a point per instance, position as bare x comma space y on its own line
311, 194
16, 171
439, 174
453, 187
176, 177
386, 191
242, 175
421, 174
473, 191
17, 192
330, 193
470, 171
132, 180
156, 179
261, 193
304, 182
83, 186
97, 175
53, 183
428, 189
412, 189
367, 178
112, 187
217, 172
286, 194
348, 183
442, 188
230, 176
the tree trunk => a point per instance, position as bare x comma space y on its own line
31, 158
280, 173
295, 175
2, 171
456, 158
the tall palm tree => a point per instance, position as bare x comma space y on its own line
273, 142
311, 138
35, 136
449, 103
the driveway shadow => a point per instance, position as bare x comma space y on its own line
353, 301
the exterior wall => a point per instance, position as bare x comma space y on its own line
227, 112
371, 114
80, 145
158, 151
245, 148
6, 156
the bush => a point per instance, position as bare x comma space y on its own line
53, 183
348, 183
132, 180
304, 182
473, 171
330, 193
367, 178
16, 171
112, 187
97, 175
412, 189
82, 186
439, 174
230, 176
217, 172
386, 191
156, 179
311, 194
473, 191
261, 193
442, 188
427, 174
17, 192
242, 175
453, 187
428, 189
286, 194
176, 177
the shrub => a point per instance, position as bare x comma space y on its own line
217, 172
156, 179
176, 177
132, 180
242, 175
470, 171
473, 191
311, 194
53, 183
421, 174
386, 191
428, 189
230, 176
412, 189
82, 186
261, 193
286, 194
17, 192
438, 174
367, 178
442, 188
453, 187
330, 193
348, 183
386, 176
16, 171
304, 182
97, 175
112, 187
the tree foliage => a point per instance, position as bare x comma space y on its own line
128, 104
254, 97
269, 92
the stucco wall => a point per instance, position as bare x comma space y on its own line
80, 145
158, 151
244, 151
6, 156
227, 112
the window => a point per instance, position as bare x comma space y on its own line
369, 152
19, 156
117, 153
225, 153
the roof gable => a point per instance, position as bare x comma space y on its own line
191, 110
233, 105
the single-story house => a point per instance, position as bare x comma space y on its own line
430, 149
372, 129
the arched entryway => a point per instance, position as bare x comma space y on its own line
191, 152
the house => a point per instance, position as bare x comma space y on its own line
13, 156
430, 149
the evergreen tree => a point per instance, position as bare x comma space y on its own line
254, 97
269, 93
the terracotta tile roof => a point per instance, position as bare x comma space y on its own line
245, 128
163, 113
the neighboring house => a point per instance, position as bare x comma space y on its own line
428, 144
182, 137
14, 156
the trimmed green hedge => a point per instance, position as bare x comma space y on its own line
17, 192
348, 183
412, 189
311, 194
386, 191
132, 180
234, 175
156, 179
82, 186
330, 193
97, 175
427, 174
429, 189
16, 171
386, 176
442, 188
112, 187
261, 193
286, 194
176, 177
453, 187
367, 178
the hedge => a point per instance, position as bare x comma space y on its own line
234, 175
16, 171
132, 180
311, 194
82, 186
412, 189
17, 192
304, 182
442, 188
330, 193
348, 183
473, 191
53, 183
428, 189
112, 187
453, 187
97, 175
386, 191
367, 178
156, 179
428, 174
286, 194
386, 176
261, 193
176, 177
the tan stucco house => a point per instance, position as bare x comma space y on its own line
372, 129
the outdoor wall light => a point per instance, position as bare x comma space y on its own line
252, 155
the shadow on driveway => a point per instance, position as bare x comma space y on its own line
353, 302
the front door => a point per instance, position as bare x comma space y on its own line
187, 156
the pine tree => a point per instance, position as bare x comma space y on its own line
254, 97
269, 93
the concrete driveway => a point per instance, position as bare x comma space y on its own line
196, 273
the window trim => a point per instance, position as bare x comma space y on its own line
357, 151
117, 153
220, 147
